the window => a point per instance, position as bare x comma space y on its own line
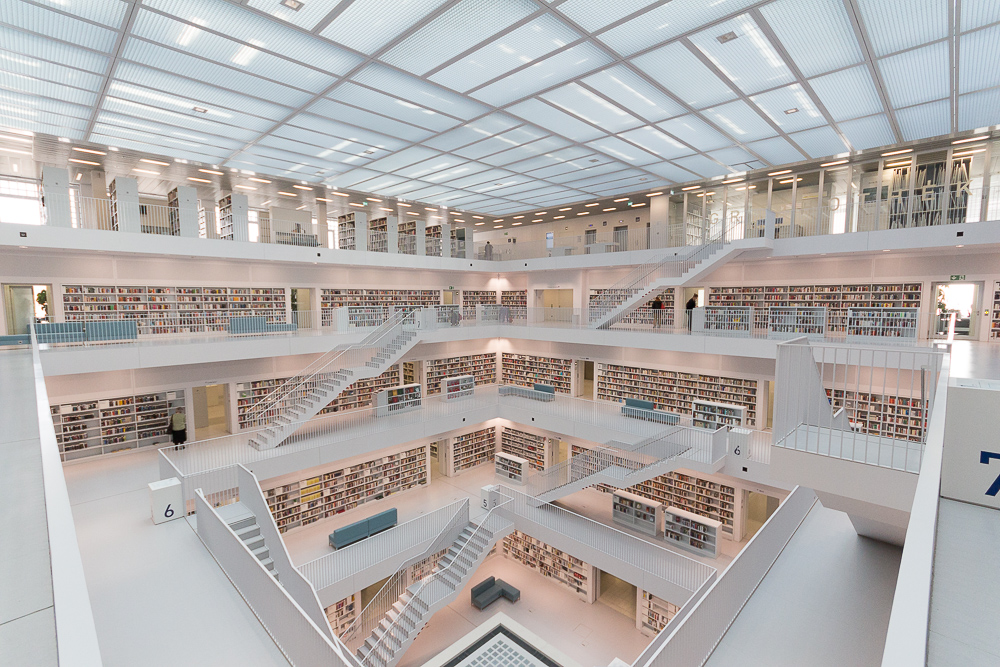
20, 202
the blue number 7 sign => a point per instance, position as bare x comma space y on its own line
984, 457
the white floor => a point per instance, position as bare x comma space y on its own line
159, 598
824, 603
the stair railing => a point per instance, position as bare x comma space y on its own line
495, 520
299, 385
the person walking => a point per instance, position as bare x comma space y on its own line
657, 307
178, 428
689, 308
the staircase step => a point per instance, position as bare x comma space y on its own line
247, 532
254, 542
262, 552
268, 563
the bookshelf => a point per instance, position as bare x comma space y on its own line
458, 387
550, 562
711, 415
408, 237
643, 314
472, 449
529, 446
100, 426
652, 613
995, 313
482, 367
333, 298
516, 301
397, 399
350, 228
342, 614
866, 323
174, 212
959, 190
425, 566
432, 241
898, 199
234, 212
410, 372
378, 235
636, 512
691, 531
300, 501
526, 370
510, 468
472, 298
898, 417
724, 320
835, 298
675, 391
794, 321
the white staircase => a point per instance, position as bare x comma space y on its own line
243, 522
300, 398
407, 617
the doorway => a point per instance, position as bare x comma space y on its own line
621, 237
961, 299
759, 508
589, 238
558, 304
211, 411
617, 594
585, 379
24, 304
449, 297
302, 313
560, 451
439, 464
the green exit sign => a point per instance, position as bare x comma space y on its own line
955, 276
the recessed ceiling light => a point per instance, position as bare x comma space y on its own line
198, 180
788, 180
459, 220
287, 194
477, 217
383, 208
570, 208
791, 111
79, 176
834, 163
727, 37
654, 194
259, 180
779, 173
584, 213
638, 205
901, 152
300, 207
960, 246
89, 150
64, 140
885, 251
351, 203
302, 187
969, 152
518, 217
497, 226
559, 217
621, 200
322, 199
608, 209
515, 224
537, 220
244, 187
541, 213
294, 5
690, 187
200, 109
412, 213
146, 171
454, 213
403, 205
904, 163
594, 204
340, 194
965, 141
180, 160
498, 220
732, 180
113, 148
480, 223
211, 171
95, 164
148, 161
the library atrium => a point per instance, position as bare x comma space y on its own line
541, 333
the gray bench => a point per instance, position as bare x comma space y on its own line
640, 409
15, 339
526, 392
60, 332
359, 530
257, 325
490, 590
112, 330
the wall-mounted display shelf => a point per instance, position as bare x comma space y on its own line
527, 445
101, 426
568, 570
397, 399
674, 391
483, 367
835, 298
342, 614
510, 468
652, 613
866, 323
711, 415
644, 314
472, 449
471, 298
691, 531
303, 501
898, 417
458, 387
332, 298
526, 370
795, 321
636, 512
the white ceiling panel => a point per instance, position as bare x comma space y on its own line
441, 163
668, 21
977, 110
366, 98
977, 13
526, 151
460, 136
735, 157
695, 131
50, 80
57, 26
656, 142
26, 48
419, 91
344, 131
367, 119
622, 150
306, 16
553, 70
315, 153
739, 120
925, 120
779, 105
680, 72
917, 76
106, 12
849, 93
817, 34
776, 150
979, 55
748, 60
591, 107
322, 145
353, 177
151, 143
894, 25
573, 171
701, 165
404, 158
671, 172
596, 14
819, 142
365, 25
642, 98
554, 120
173, 142
868, 132
177, 119
463, 170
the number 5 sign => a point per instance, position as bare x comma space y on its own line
166, 500
971, 467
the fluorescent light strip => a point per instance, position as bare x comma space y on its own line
833, 164
515, 224
287, 194
148, 161
88, 150
383, 208
351, 203
146, 171
621, 200
480, 223
541, 213
300, 207
477, 217
323, 199
608, 209
559, 217
594, 204
970, 139
340, 194
518, 217
977, 150
569, 208
732, 180
72, 159
244, 187
259, 180
302, 187
211, 171
906, 163
779, 173
403, 205
690, 187
537, 220
198, 180
584, 213
638, 205
654, 194
902, 152
23, 140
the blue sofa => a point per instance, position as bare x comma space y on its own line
60, 332
640, 409
112, 330
15, 339
492, 589
256, 324
359, 530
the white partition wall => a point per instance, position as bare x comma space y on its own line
446, 239
55, 195
125, 205
421, 237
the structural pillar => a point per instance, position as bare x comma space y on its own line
55, 196
183, 202
421, 237
125, 205
446, 239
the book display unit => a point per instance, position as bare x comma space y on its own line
472, 449
835, 298
510, 468
529, 446
643, 314
425, 566
526, 370
408, 237
93, 427
674, 391
482, 367
864, 323
652, 613
472, 298
898, 417
342, 614
548, 561
691, 531
636, 512
350, 228
516, 300
168, 310
458, 387
301, 502
995, 313
332, 298
398, 399
710, 415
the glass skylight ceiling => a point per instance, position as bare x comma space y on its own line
500, 105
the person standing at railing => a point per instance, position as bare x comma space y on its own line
657, 307
689, 309
488, 251
178, 428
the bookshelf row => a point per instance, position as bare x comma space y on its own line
553, 563
347, 227
525, 445
652, 613
331, 298
995, 313
342, 614
304, 501
472, 449
483, 367
885, 415
90, 428
675, 391
510, 468
691, 531
514, 298
644, 314
526, 370
472, 298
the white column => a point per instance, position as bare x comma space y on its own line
125, 204
470, 249
421, 237
55, 194
207, 211
392, 234
322, 228
239, 211
361, 230
446, 239
658, 221
187, 211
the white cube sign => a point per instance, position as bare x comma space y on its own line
166, 500
970, 471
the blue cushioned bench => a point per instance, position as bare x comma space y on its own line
15, 339
359, 530
256, 324
113, 330
640, 409
60, 332
492, 589
527, 392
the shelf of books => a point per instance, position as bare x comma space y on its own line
529, 446
408, 237
636, 512
459, 387
898, 417
867, 323
674, 391
226, 231
526, 370
101, 426
516, 301
425, 566
691, 531
347, 227
397, 399
835, 298
304, 501
652, 613
644, 314
410, 372
174, 212
550, 562
432, 241
472, 298
482, 367
795, 321
342, 614
472, 449
995, 313
331, 299
510, 468
378, 231
167, 310
711, 415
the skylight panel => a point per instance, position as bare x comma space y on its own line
338, 130
975, 108
679, 71
577, 172
868, 132
365, 25
526, 151
671, 172
732, 156
668, 21
749, 60
640, 97
776, 150
462, 170
924, 21
57, 26
776, 102
925, 120
819, 142
595, 14
978, 55
353, 177
591, 107
849, 93
546, 73
701, 165
23, 46
170, 118
309, 13
977, 13
149, 143
107, 12
419, 92
430, 167
656, 142
917, 76
740, 121
404, 158
554, 120
395, 107
24, 84
694, 131
817, 34
322, 144
20, 68
362, 118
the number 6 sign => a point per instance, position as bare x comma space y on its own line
166, 500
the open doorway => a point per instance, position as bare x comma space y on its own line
558, 304
759, 508
698, 293
585, 379
438, 462
302, 313
617, 594
24, 304
959, 299
449, 297
211, 411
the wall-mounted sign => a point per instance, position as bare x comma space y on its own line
955, 276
